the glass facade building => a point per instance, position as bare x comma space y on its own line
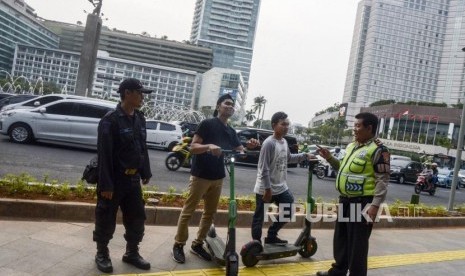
406, 50
228, 27
18, 24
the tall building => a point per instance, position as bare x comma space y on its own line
228, 27
224, 81
406, 50
18, 24
173, 88
141, 48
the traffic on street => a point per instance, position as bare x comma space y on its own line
67, 164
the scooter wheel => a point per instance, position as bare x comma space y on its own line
249, 253
309, 248
431, 193
417, 189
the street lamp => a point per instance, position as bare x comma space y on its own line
458, 157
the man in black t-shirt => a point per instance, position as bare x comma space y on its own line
207, 175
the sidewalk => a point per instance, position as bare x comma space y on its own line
66, 248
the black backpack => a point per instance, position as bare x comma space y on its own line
90, 174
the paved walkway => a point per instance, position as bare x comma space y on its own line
60, 248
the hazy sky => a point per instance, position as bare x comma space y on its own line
301, 47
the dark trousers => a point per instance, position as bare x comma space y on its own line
128, 196
350, 244
259, 215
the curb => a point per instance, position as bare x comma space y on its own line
168, 216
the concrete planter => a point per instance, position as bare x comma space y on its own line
84, 212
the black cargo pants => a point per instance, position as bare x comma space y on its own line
128, 196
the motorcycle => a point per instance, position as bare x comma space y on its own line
319, 170
422, 184
180, 155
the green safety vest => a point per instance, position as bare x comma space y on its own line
356, 176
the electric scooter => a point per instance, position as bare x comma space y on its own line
225, 254
305, 245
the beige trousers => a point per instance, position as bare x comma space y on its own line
209, 191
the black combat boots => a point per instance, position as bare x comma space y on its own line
102, 258
132, 257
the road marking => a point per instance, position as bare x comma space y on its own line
310, 268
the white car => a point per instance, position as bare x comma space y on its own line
461, 176
163, 135
68, 122
40, 101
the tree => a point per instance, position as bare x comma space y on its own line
445, 142
49, 88
332, 131
259, 102
382, 102
250, 115
458, 105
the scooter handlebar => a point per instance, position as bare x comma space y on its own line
234, 153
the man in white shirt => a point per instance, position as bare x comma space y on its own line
271, 185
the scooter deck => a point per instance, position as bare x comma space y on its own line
278, 251
216, 247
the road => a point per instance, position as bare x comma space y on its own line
67, 164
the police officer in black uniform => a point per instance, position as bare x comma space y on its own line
123, 164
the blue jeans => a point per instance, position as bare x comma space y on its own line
259, 215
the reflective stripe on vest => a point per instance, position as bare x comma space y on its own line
356, 175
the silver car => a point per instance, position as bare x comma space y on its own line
68, 122
39, 101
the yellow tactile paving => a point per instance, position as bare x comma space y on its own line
310, 268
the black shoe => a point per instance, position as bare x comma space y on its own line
178, 253
322, 273
103, 262
201, 252
136, 260
275, 241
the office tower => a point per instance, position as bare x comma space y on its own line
224, 81
406, 50
228, 27
174, 88
19, 25
137, 47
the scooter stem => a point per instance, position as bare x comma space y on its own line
232, 197
310, 199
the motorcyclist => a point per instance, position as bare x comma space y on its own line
304, 149
337, 153
339, 156
434, 176
429, 173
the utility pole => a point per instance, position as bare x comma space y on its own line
458, 158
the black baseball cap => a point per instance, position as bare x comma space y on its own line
133, 84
